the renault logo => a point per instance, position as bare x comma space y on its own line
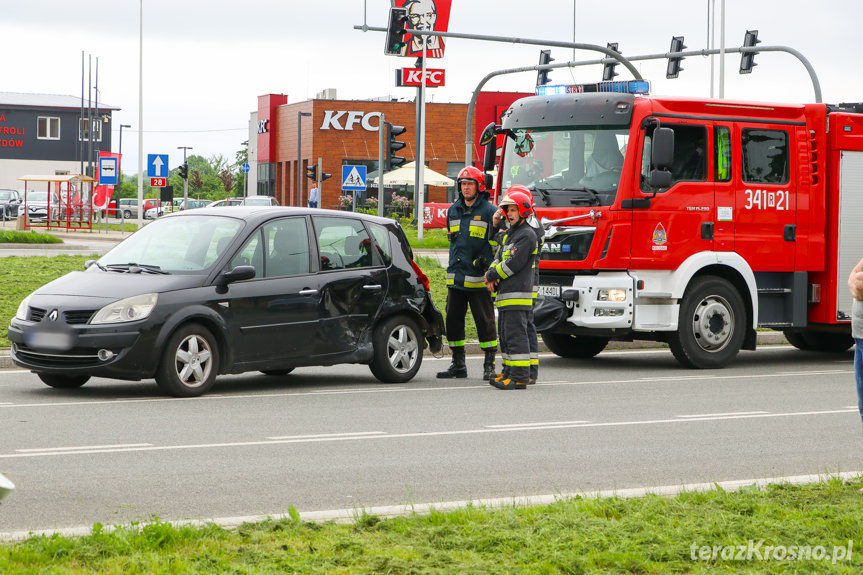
53, 315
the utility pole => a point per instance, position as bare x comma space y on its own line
186, 179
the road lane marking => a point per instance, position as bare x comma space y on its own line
77, 448
325, 435
724, 414
505, 425
364, 436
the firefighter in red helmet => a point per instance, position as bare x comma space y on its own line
470, 233
512, 277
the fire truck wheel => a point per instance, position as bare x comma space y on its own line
711, 326
574, 346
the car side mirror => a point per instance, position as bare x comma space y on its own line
6, 486
239, 273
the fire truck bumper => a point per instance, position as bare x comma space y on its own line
604, 301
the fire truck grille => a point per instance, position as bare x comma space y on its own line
568, 247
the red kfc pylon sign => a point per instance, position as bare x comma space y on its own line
413, 77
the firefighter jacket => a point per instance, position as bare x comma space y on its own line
470, 232
514, 272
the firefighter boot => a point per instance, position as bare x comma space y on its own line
488, 373
507, 384
457, 368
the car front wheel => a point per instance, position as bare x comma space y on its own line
398, 350
189, 362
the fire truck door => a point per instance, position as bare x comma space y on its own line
679, 221
765, 197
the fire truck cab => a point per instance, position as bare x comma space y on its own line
692, 222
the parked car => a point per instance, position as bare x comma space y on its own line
9, 202
35, 205
175, 206
260, 201
228, 290
227, 202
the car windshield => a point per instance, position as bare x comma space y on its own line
37, 196
184, 245
258, 201
566, 166
5, 194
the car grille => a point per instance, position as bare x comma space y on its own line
72, 317
73, 358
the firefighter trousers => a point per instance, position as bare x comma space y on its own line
515, 344
534, 347
482, 309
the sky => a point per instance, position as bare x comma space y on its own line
206, 62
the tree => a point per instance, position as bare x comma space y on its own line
195, 182
228, 180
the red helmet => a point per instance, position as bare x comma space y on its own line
472, 173
519, 196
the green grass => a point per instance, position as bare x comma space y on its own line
30, 237
19, 276
612, 535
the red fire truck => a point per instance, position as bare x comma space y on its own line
689, 221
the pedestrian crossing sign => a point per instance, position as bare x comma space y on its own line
353, 178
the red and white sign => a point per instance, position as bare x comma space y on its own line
434, 215
158, 182
413, 77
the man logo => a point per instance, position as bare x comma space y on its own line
53, 315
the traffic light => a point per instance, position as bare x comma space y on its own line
393, 146
325, 176
184, 171
747, 59
542, 75
312, 172
608, 72
674, 68
396, 31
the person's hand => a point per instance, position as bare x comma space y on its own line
490, 286
495, 219
855, 282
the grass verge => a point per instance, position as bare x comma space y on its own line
780, 528
30, 237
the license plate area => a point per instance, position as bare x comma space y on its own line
549, 290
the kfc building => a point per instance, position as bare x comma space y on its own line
345, 132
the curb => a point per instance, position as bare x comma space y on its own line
472, 347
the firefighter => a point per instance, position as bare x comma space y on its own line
513, 278
470, 232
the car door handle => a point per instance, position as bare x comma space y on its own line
309, 292
374, 287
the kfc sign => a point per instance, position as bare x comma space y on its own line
342, 120
413, 77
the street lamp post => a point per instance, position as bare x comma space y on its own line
299, 154
120, 175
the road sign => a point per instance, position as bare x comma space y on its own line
245, 168
158, 182
157, 165
353, 178
108, 171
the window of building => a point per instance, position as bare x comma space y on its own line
48, 128
84, 129
267, 179
452, 170
765, 156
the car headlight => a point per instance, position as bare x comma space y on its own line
133, 308
22, 308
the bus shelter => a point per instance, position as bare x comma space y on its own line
64, 201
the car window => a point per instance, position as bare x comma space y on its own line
252, 254
382, 242
343, 243
287, 242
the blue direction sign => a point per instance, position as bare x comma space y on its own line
108, 171
157, 165
245, 167
353, 178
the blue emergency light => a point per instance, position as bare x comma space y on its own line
615, 86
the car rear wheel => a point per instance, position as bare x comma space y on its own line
398, 350
64, 381
127, 214
189, 362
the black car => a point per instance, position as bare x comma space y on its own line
9, 202
228, 290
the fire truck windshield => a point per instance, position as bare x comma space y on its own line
566, 166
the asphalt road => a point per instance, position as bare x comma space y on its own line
333, 438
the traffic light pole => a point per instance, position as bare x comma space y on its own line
382, 132
419, 195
